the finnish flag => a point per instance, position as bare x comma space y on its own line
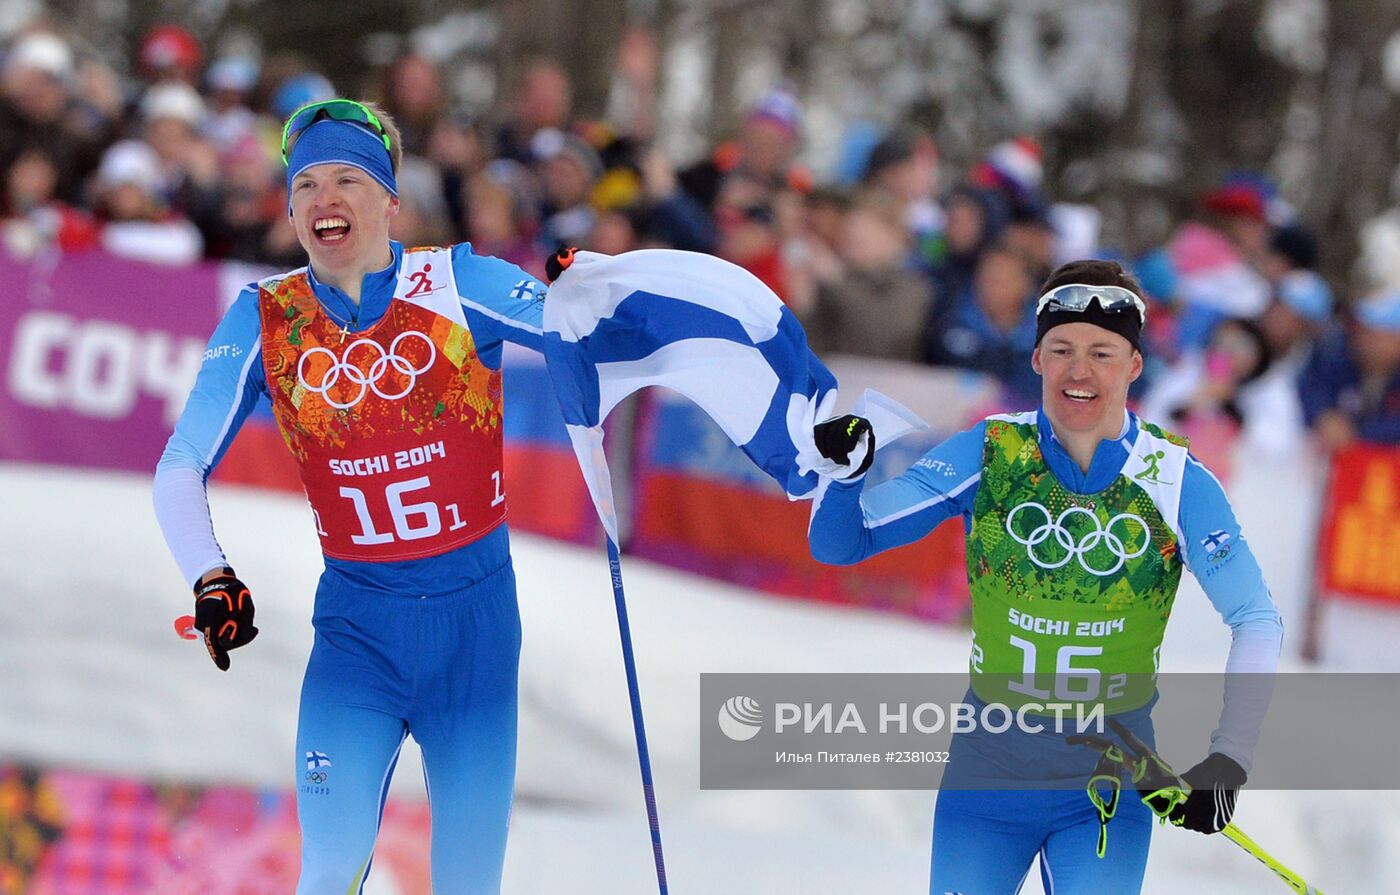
316, 760
709, 330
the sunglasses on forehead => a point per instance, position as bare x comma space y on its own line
1078, 296
336, 110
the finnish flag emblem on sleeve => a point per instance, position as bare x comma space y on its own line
316, 760
1215, 539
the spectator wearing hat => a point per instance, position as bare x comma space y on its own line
568, 168
1225, 391
229, 119
764, 151
169, 53
1350, 387
975, 218
904, 164
1215, 258
172, 115
992, 329
38, 108
136, 222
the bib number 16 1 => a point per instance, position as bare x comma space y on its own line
411, 521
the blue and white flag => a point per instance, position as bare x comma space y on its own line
709, 330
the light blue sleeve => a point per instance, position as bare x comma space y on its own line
1219, 556
847, 526
225, 392
229, 383
501, 302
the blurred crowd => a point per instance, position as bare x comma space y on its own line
892, 255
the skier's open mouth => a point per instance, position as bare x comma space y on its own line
1079, 395
332, 229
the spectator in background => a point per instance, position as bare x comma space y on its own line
1031, 234
230, 120
38, 110
975, 219
1301, 303
501, 215
422, 219
748, 231
1213, 395
1215, 258
543, 101
1016, 169
136, 222
413, 95
877, 304
172, 115
457, 146
251, 207
904, 164
568, 168
169, 53
764, 153
992, 329
31, 216
1351, 386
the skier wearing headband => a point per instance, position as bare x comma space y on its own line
1079, 518
382, 365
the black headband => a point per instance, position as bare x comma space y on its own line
1125, 324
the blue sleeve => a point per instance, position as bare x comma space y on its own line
847, 527
501, 303
1218, 554
1222, 562
230, 380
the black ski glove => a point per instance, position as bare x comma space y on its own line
223, 613
1214, 784
839, 438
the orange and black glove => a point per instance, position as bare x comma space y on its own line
223, 614
559, 262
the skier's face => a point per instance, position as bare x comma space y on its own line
341, 216
1085, 373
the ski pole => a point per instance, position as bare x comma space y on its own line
1143, 752
638, 725
1294, 881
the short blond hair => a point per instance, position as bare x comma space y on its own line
390, 127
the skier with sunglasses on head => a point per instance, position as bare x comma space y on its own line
382, 365
1080, 518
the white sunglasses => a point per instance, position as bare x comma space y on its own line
1077, 296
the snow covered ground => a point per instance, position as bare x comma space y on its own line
92, 677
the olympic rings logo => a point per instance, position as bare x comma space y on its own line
1080, 548
316, 776
367, 381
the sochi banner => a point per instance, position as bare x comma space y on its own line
98, 354
1360, 535
700, 505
